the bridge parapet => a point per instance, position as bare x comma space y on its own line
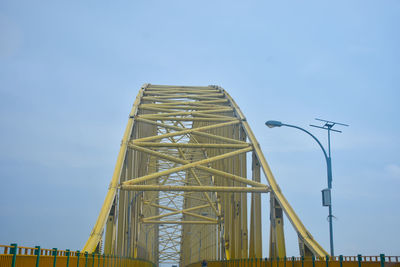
339, 261
17, 256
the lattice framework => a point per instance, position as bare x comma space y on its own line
179, 189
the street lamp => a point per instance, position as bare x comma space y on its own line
326, 193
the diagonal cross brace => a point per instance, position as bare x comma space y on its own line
200, 167
187, 166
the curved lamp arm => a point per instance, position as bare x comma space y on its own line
273, 124
315, 138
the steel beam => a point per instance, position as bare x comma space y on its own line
203, 188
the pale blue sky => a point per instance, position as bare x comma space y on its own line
69, 73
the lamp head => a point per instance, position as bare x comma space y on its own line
272, 124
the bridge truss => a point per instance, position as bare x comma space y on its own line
179, 189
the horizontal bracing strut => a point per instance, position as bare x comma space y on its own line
190, 145
179, 222
203, 188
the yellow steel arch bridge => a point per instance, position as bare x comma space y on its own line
180, 186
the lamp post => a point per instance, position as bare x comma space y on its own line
326, 193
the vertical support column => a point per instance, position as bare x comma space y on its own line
236, 161
109, 242
304, 250
131, 231
226, 240
277, 238
156, 230
243, 173
122, 206
135, 223
233, 225
255, 214
236, 224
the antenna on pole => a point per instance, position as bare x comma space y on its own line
329, 125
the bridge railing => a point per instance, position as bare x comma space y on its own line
16, 256
339, 261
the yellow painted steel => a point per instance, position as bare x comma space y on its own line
28, 257
203, 168
179, 189
348, 261
190, 145
255, 250
277, 237
186, 166
195, 188
96, 234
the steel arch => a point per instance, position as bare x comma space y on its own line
179, 189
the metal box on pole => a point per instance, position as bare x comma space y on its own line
326, 197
